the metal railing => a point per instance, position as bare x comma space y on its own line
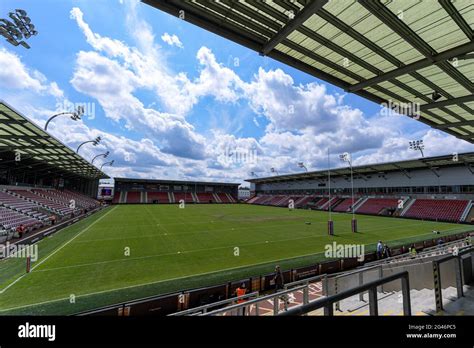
426, 252
458, 273
275, 297
360, 273
328, 302
205, 308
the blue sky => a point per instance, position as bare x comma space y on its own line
173, 101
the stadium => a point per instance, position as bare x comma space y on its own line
386, 238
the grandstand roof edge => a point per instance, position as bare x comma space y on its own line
425, 162
158, 181
83, 161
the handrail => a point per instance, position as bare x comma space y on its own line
371, 287
306, 280
457, 270
259, 299
214, 304
408, 255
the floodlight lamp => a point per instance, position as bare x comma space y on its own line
435, 96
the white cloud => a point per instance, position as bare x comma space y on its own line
14, 75
172, 40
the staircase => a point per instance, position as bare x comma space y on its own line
359, 203
467, 211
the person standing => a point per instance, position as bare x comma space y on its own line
279, 285
240, 291
379, 250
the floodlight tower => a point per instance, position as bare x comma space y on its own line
105, 155
75, 115
21, 28
273, 170
111, 163
301, 165
253, 174
346, 157
418, 145
94, 142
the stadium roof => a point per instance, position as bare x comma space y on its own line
39, 151
432, 163
382, 50
172, 182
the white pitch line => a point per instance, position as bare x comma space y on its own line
55, 251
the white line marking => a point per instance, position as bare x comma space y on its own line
55, 251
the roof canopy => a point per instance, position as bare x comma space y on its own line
388, 51
431, 163
171, 182
38, 151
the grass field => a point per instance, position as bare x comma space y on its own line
171, 249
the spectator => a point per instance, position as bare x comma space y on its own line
379, 250
386, 251
20, 230
53, 219
413, 250
279, 285
240, 291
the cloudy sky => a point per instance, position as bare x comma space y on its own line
172, 101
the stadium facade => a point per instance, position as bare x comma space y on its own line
451, 175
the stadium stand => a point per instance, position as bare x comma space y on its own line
225, 198
160, 197
21, 205
344, 205
186, 197
117, 196
11, 219
42, 201
303, 201
133, 197
375, 206
206, 198
435, 209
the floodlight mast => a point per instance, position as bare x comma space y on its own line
111, 163
21, 28
75, 115
301, 165
273, 170
105, 155
94, 142
418, 145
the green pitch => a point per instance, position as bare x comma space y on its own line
129, 252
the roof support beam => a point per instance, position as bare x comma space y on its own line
454, 124
423, 63
293, 24
454, 101
403, 170
391, 20
456, 16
